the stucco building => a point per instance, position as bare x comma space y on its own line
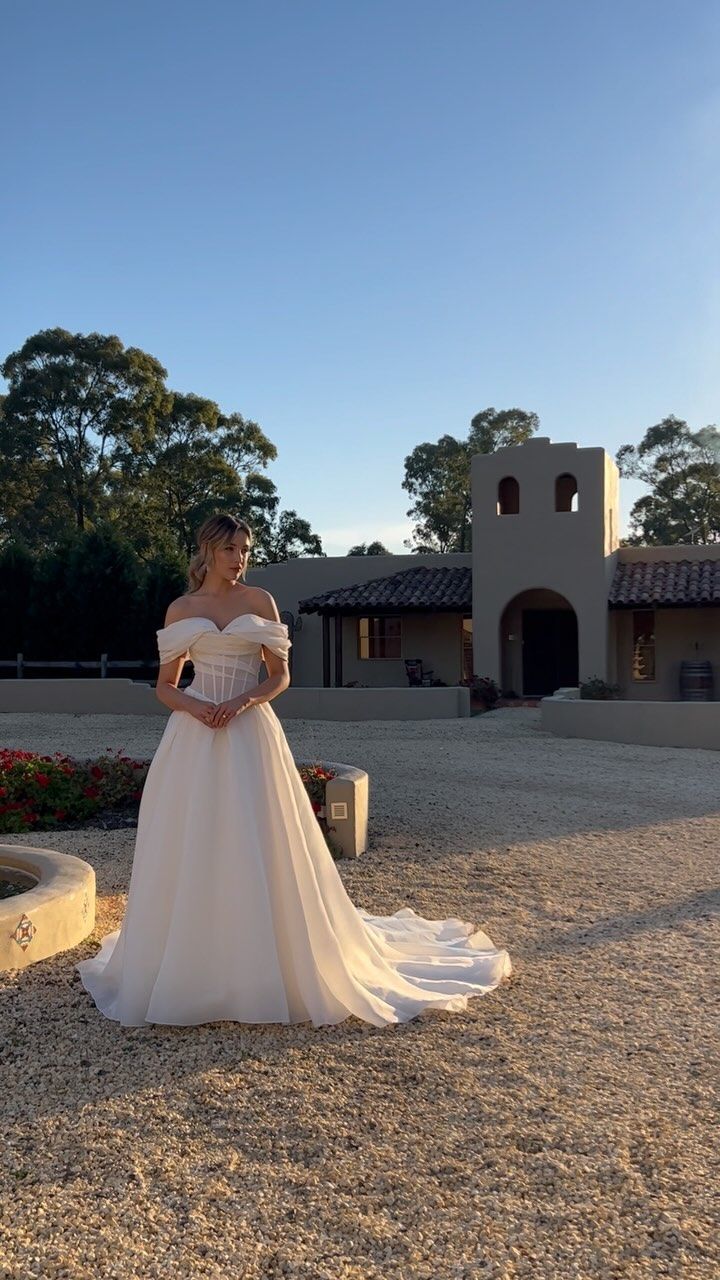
546, 598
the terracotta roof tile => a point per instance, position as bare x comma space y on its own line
664, 583
424, 589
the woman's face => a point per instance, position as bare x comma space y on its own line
231, 559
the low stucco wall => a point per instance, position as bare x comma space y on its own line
125, 697
651, 724
374, 704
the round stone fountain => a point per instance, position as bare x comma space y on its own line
54, 908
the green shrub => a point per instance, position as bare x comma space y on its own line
599, 690
38, 792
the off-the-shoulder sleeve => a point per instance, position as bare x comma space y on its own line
172, 642
275, 637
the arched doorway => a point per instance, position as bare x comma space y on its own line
538, 643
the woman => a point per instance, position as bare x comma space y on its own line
236, 910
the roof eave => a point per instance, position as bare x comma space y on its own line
378, 610
664, 604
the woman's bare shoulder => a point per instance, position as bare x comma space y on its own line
178, 609
267, 607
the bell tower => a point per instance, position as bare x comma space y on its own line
545, 537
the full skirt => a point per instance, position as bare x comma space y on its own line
236, 909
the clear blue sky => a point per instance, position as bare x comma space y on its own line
359, 223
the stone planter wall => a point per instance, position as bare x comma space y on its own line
346, 806
652, 724
54, 916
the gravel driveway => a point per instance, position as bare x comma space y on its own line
561, 1127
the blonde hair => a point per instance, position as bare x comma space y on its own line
213, 532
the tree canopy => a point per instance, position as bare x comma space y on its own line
682, 470
91, 436
369, 549
438, 477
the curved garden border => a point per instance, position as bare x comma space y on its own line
55, 915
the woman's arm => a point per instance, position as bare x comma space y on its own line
278, 678
167, 692
276, 666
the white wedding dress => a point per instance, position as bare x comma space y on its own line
236, 910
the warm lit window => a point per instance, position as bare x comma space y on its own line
508, 500
379, 638
566, 493
467, 653
643, 663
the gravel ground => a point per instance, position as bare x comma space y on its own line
560, 1127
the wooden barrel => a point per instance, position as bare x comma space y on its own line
696, 681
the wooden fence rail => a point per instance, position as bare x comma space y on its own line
20, 663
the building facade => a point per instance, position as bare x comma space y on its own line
547, 597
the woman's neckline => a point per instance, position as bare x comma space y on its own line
201, 617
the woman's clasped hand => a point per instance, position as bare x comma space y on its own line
217, 715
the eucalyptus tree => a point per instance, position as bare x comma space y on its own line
438, 477
73, 400
682, 471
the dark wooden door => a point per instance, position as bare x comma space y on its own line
550, 650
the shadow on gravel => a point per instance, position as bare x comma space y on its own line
701, 906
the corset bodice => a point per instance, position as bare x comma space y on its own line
227, 660
222, 672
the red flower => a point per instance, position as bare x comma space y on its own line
60, 814
42, 779
3, 791
136, 795
97, 772
91, 792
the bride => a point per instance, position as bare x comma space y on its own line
236, 910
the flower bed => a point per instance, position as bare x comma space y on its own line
42, 793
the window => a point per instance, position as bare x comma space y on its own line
508, 502
566, 493
643, 660
467, 648
379, 638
